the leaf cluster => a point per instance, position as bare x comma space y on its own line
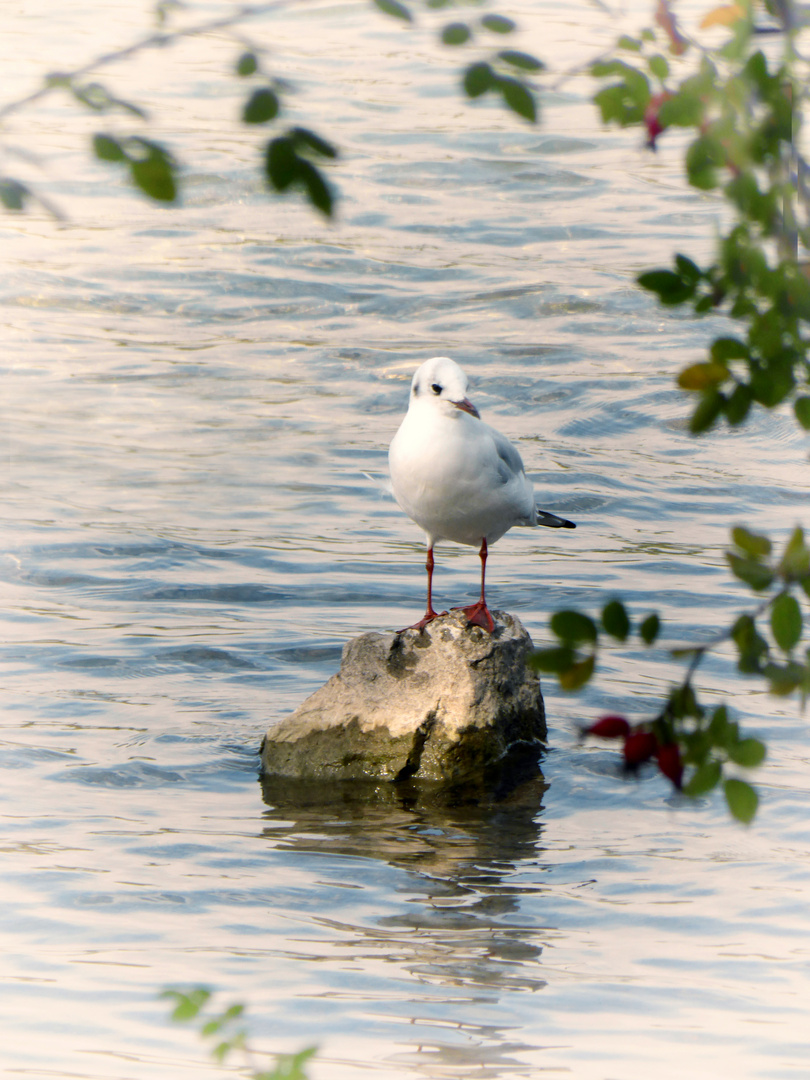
745, 115
768, 642
573, 658
189, 1006
291, 161
151, 166
501, 71
776, 657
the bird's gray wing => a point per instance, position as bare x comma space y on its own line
510, 467
510, 463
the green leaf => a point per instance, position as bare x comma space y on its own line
683, 701
681, 110
611, 104
12, 193
756, 69
744, 191
742, 800
152, 169
318, 191
751, 571
747, 752
578, 674
688, 269
659, 67
107, 148
702, 376
281, 162
261, 106
786, 622
247, 64
626, 100
221, 1050
728, 348
498, 24
629, 44
188, 1005
556, 659
394, 8
518, 97
615, 620
93, 95
671, 287
650, 629
801, 406
478, 78
524, 61
288, 1067
309, 140
704, 304
784, 679
752, 543
706, 411
795, 562
573, 626
738, 404
720, 730
703, 158
751, 645
457, 33
704, 778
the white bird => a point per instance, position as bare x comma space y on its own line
458, 478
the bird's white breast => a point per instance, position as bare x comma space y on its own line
448, 476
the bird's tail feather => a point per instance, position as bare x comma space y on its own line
551, 521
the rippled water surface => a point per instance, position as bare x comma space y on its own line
193, 402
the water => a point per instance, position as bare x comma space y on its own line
191, 401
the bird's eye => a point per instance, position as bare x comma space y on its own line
436, 388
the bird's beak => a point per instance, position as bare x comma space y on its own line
467, 406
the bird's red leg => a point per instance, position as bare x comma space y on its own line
478, 613
430, 614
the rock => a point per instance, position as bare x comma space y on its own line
446, 703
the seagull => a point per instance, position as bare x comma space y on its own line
458, 478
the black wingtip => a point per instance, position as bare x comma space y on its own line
552, 521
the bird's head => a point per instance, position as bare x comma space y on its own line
440, 383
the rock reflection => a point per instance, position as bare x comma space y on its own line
453, 927
464, 838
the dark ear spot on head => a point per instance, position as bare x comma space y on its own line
415, 389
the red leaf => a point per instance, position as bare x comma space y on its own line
638, 748
670, 764
609, 727
651, 120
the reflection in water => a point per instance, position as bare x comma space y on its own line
457, 942
449, 833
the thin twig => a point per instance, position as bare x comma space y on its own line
156, 40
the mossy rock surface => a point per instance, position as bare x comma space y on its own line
443, 704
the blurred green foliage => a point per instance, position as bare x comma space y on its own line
228, 1035
743, 111
293, 160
